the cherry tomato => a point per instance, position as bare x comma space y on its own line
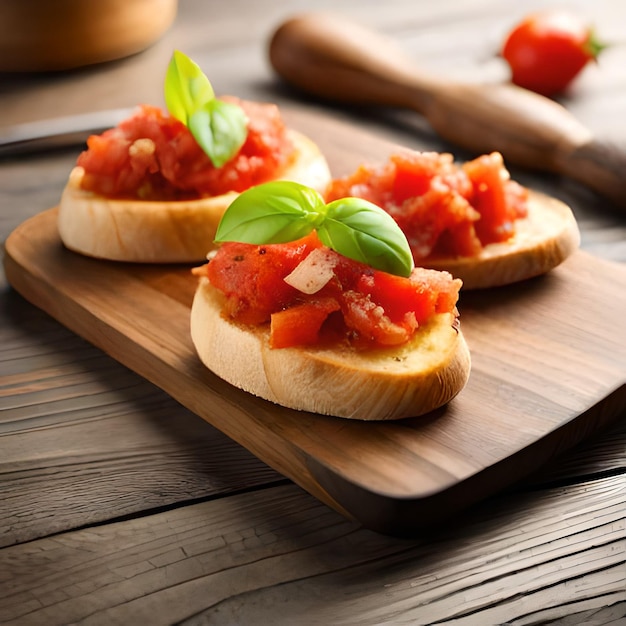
547, 50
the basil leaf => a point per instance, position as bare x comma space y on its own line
219, 127
364, 232
220, 130
186, 87
282, 211
274, 212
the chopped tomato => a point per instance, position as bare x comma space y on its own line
370, 322
300, 325
424, 294
153, 156
492, 197
358, 304
251, 277
443, 209
414, 173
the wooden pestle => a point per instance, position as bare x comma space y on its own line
330, 57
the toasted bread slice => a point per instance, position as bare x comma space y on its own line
542, 240
380, 384
162, 232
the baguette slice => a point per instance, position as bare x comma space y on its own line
382, 384
542, 240
162, 232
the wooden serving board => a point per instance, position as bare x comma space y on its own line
548, 369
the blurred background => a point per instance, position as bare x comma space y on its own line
229, 41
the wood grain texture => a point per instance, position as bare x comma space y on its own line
545, 374
84, 440
235, 561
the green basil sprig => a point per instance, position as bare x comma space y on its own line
219, 127
282, 211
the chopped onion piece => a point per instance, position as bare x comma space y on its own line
313, 272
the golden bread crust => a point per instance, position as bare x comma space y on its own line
382, 384
542, 240
162, 232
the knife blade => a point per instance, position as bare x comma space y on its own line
59, 132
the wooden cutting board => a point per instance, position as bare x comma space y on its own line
548, 369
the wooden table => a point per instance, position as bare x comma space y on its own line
119, 506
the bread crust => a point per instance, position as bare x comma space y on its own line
542, 240
381, 384
162, 232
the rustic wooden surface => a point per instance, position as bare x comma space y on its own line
539, 382
120, 506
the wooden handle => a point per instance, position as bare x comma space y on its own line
341, 61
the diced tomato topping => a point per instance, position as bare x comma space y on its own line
300, 325
251, 277
358, 304
444, 209
498, 201
370, 322
153, 156
424, 294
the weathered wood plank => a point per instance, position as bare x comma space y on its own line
614, 615
85, 440
237, 560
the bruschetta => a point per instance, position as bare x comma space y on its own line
302, 325
152, 191
470, 219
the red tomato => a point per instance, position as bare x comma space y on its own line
300, 325
493, 198
252, 276
547, 50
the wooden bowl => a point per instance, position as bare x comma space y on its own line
41, 35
